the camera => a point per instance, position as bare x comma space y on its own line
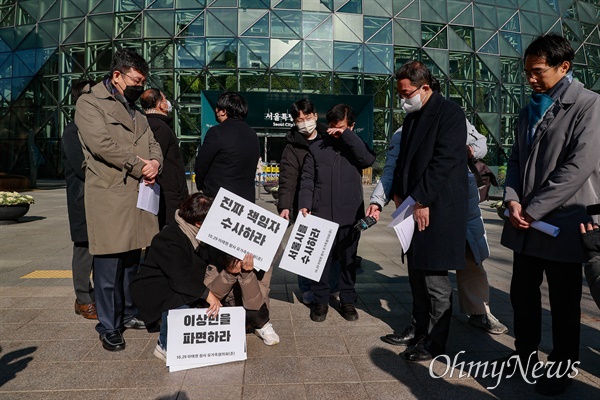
365, 223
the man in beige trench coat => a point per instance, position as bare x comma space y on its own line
120, 155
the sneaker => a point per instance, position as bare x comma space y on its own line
134, 323
160, 353
308, 297
489, 323
267, 334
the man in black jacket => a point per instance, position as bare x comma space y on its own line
229, 152
331, 188
82, 261
173, 185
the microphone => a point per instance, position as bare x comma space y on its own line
593, 209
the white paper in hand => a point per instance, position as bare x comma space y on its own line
308, 247
149, 197
404, 223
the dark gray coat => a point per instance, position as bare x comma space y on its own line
331, 181
72, 155
558, 178
432, 169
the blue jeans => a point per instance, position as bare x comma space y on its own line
162, 337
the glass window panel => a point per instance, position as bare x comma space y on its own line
403, 55
511, 69
190, 53
486, 97
290, 60
189, 118
258, 4
222, 3
100, 6
222, 80
99, 57
162, 4
318, 55
159, 23
316, 83
221, 22
384, 36
254, 81
191, 83
347, 83
381, 88
288, 81
461, 66
158, 53
348, 6
381, 127
323, 31
431, 14
483, 71
407, 9
72, 8
511, 99
436, 60
348, 28
372, 25
310, 20
348, 57
100, 27
491, 47
180, 4
429, 31
383, 62
253, 22
77, 35
253, 53
188, 26
221, 53
380, 8
286, 24
407, 33
461, 92
287, 4
466, 34
162, 79
510, 44
129, 5
128, 26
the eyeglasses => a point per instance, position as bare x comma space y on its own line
408, 96
536, 73
137, 82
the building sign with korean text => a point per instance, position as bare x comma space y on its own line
237, 226
194, 340
308, 246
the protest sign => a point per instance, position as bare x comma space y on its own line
237, 227
308, 246
194, 340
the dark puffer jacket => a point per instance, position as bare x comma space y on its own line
290, 166
331, 182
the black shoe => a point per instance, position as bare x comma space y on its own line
134, 323
113, 341
348, 311
552, 386
424, 350
400, 339
318, 313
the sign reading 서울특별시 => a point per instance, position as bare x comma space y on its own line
237, 226
194, 340
308, 246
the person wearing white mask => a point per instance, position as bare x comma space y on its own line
172, 181
305, 130
431, 170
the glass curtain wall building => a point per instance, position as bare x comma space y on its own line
349, 47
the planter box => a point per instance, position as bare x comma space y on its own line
13, 212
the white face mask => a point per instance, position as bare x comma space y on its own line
413, 104
169, 107
306, 128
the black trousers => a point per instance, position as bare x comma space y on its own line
432, 305
564, 289
345, 247
81, 267
112, 275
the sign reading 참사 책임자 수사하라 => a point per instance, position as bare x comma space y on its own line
195, 340
308, 247
237, 226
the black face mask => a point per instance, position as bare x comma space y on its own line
132, 93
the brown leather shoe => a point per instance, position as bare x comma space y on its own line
87, 311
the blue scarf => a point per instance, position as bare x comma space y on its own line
540, 103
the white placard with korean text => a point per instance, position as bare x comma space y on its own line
308, 246
194, 340
238, 226
149, 197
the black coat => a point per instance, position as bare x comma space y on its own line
172, 177
72, 155
228, 158
432, 169
290, 168
331, 181
171, 275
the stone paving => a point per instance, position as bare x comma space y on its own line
48, 352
